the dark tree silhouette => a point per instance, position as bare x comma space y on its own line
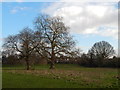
100, 51
22, 43
55, 36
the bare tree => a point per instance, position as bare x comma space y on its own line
56, 40
23, 43
101, 50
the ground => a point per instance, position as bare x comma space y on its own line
64, 76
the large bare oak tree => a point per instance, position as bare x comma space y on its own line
56, 40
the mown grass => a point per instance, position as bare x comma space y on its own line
64, 76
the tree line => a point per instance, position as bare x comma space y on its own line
51, 41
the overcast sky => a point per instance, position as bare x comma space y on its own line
89, 21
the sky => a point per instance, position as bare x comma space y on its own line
89, 21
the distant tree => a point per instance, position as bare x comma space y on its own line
100, 51
55, 37
84, 60
22, 43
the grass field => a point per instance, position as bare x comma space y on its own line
64, 76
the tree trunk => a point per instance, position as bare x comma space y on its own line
52, 65
27, 64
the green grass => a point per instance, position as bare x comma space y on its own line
30, 81
64, 76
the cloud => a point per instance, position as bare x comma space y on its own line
19, 0
87, 18
1, 41
109, 32
59, 0
1, 0
89, 0
17, 9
